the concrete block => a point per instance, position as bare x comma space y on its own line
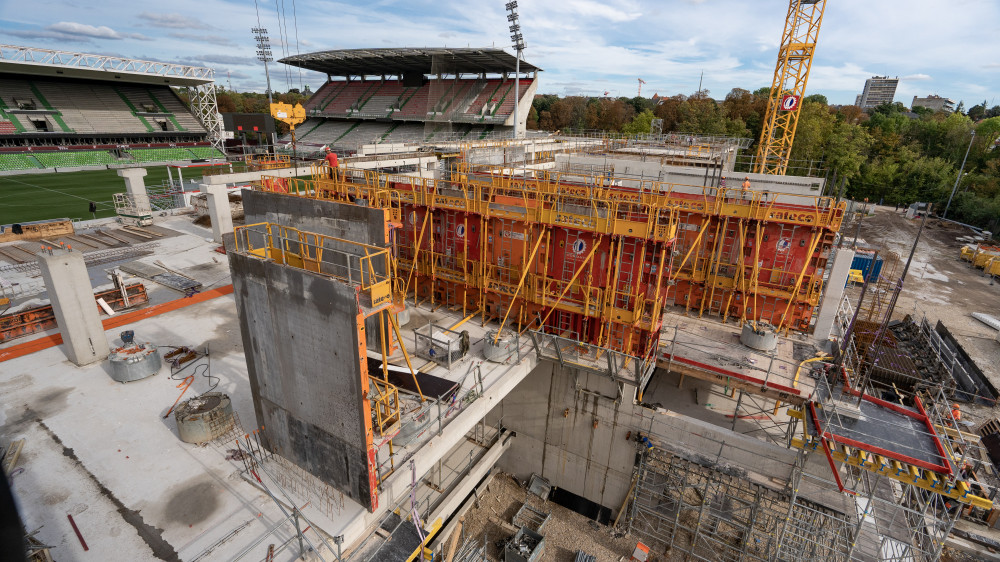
219, 211
135, 186
301, 340
68, 285
833, 293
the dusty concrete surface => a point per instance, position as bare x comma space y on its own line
938, 284
565, 533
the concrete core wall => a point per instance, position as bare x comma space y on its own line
365, 225
301, 340
553, 411
340, 220
688, 175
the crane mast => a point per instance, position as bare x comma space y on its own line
798, 44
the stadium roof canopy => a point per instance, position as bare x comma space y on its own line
353, 62
68, 64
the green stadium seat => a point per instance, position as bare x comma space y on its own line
10, 162
75, 158
159, 154
206, 152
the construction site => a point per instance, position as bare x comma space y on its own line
476, 344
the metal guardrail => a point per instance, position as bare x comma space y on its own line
368, 267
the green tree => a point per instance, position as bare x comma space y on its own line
640, 124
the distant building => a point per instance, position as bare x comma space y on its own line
935, 103
878, 90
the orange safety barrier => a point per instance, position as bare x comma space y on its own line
117, 321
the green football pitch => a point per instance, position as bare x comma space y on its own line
32, 197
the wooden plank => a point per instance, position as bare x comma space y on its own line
142, 231
112, 236
13, 453
12, 258
79, 240
136, 232
98, 241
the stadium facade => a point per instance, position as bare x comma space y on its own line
374, 96
62, 110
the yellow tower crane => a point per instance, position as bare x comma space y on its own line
798, 43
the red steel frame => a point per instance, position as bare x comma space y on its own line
921, 416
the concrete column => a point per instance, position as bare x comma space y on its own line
135, 186
72, 297
833, 292
219, 210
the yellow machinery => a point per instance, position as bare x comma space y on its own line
991, 267
967, 253
798, 43
290, 115
983, 254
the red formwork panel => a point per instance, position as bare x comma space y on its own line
723, 262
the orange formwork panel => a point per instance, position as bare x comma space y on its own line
117, 321
590, 259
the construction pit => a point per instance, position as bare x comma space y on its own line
350, 322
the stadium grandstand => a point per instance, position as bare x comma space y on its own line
63, 111
376, 96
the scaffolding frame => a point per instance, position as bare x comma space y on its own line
715, 515
635, 218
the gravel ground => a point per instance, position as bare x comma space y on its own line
938, 285
565, 533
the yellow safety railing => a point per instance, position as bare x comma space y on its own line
385, 405
267, 161
366, 266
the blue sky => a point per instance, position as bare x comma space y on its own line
585, 46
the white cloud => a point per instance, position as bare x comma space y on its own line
173, 21
90, 31
204, 38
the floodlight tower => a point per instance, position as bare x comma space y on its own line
518, 39
264, 54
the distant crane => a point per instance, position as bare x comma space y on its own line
641, 82
798, 44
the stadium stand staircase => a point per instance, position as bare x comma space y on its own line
167, 99
9, 124
142, 100
91, 108
365, 132
417, 106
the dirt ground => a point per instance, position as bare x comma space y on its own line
938, 284
565, 533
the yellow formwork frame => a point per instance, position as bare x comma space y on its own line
599, 206
791, 73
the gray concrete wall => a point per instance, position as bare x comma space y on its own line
341, 220
566, 448
301, 345
684, 175
833, 292
553, 412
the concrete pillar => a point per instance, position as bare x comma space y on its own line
72, 297
833, 292
219, 210
135, 186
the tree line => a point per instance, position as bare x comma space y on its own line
888, 155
